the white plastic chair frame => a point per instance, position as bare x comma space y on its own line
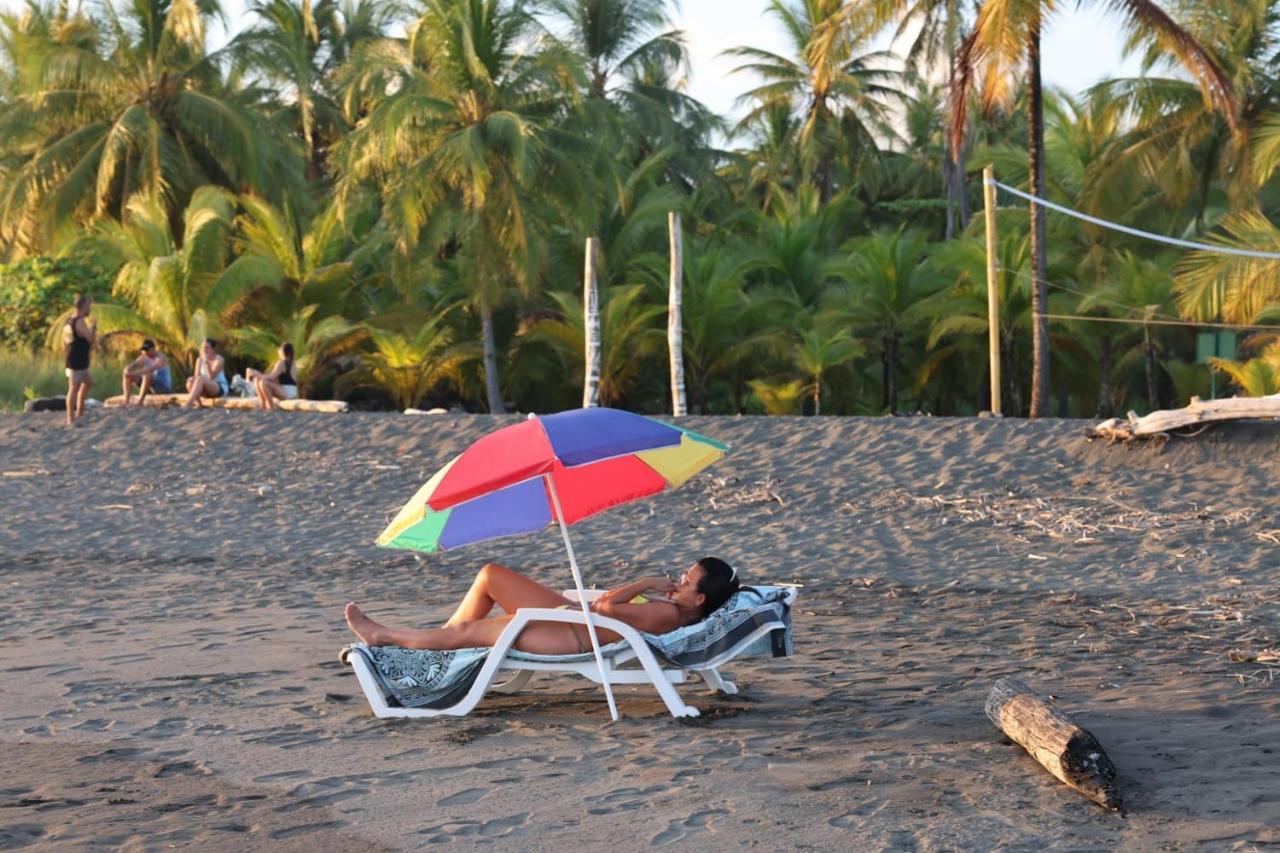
635, 650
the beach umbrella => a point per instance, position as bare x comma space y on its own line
553, 469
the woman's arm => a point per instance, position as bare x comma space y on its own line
653, 618
276, 370
631, 590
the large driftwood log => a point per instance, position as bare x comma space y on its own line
163, 400
1064, 749
1198, 412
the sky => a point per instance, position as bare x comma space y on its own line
1080, 47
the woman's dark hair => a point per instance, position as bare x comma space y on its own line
719, 582
82, 301
287, 349
211, 342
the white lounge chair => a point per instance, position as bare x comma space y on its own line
629, 661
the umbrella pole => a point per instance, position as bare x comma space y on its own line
582, 597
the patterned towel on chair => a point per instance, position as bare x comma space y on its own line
721, 635
421, 678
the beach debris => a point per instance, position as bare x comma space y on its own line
1072, 519
1161, 423
1070, 753
731, 492
39, 472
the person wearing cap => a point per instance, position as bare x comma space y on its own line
149, 371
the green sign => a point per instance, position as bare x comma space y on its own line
1215, 345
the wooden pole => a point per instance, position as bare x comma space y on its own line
675, 329
1067, 751
993, 292
591, 323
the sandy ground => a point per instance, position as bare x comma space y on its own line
171, 616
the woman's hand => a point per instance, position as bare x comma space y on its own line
660, 584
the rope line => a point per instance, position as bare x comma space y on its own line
1156, 319
1183, 323
1135, 232
1107, 302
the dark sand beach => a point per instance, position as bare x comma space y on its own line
172, 616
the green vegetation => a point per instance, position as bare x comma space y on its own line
403, 191
25, 375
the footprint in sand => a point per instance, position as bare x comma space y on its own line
20, 835
623, 799
182, 768
679, 830
462, 798
454, 830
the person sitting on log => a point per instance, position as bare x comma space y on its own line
210, 377
279, 383
148, 372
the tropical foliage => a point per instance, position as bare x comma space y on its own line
403, 191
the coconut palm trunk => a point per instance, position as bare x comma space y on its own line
492, 386
1039, 258
675, 322
591, 325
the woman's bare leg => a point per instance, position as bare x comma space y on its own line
73, 388
82, 392
495, 584
202, 387
271, 391
543, 638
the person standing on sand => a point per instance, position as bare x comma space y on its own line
210, 377
279, 383
149, 371
78, 338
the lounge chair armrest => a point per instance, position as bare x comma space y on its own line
591, 594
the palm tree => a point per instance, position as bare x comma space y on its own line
317, 341
176, 288
1257, 377
1006, 36
1183, 145
1140, 290
464, 149
818, 351
1234, 288
143, 110
841, 96
629, 336
408, 366
617, 38
722, 326
890, 287
285, 47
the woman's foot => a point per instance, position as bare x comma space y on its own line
362, 626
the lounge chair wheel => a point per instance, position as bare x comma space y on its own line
730, 688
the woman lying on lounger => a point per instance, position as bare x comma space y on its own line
702, 589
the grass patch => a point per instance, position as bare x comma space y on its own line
40, 374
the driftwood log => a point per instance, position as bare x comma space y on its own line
1198, 412
1067, 751
163, 400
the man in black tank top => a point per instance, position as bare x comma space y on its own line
78, 338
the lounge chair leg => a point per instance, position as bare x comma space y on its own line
714, 680
515, 684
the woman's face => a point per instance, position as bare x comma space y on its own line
207, 351
686, 593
